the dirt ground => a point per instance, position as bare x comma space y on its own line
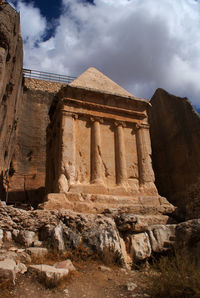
89, 281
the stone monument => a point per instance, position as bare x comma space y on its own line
99, 150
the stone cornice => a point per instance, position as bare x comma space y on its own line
85, 107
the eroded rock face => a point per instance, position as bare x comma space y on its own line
11, 59
175, 136
113, 238
64, 230
27, 180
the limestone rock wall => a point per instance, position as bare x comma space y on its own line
27, 172
175, 135
11, 59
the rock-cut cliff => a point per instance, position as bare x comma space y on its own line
11, 59
175, 136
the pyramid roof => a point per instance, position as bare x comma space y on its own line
93, 79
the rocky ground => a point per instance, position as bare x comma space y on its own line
61, 253
91, 278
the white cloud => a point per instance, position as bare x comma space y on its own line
141, 44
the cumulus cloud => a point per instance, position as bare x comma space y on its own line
140, 44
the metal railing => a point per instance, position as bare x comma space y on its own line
47, 76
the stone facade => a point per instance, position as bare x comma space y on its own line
98, 146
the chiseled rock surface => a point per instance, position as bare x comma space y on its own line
175, 138
28, 163
11, 60
50, 275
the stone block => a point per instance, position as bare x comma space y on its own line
37, 252
67, 264
56, 201
25, 238
140, 247
49, 275
162, 237
8, 270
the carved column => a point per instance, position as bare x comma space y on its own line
96, 160
68, 146
146, 173
121, 171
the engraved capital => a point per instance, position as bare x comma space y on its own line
119, 123
96, 119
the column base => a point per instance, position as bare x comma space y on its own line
98, 203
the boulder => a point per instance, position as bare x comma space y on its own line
49, 275
188, 236
11, 255
57, 237
8, 270
7, 236
37, 252
139, 247
21, 268
162, 237
25, 238
67, 264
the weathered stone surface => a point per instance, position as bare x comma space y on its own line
54, 201
25, 238
67, 264
37, 243
8, 255
175, 136
96, 203
27, 184
8, 270
94, 233
50, 275
130, 223
1, 237
21, 268
131, 286
188, 235
104, 268
95, 80
114, 238
37, 252
139, 247
7, 236
57, 236
162, 237
11, 60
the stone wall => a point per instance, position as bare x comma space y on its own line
11, 59
27, 173
175, 135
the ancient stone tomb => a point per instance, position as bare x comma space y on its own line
98, 147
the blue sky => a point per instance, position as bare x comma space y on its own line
140, 44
